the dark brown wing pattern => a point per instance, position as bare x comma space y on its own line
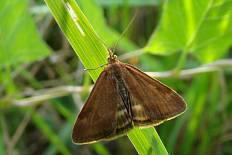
152, 102
103, 116
124, 96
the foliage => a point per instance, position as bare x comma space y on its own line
38, 103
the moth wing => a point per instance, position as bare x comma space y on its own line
152, 102
98, 118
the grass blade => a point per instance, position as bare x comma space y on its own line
49, 133
92, 52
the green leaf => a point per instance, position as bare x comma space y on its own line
201, 27
19, 41
92, 52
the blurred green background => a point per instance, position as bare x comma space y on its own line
184, 43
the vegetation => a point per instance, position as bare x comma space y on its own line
43, 85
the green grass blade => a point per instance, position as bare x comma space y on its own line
80, 34
213, 126
129, 2
196, 115
2, 147
92, 52
148, 140
64, 135
100, 149
49, 133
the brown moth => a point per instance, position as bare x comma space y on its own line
122, 98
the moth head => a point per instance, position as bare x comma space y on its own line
112, 58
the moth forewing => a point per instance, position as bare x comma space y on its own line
158, 101
97, 118
124, 97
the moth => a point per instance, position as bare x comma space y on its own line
122, 98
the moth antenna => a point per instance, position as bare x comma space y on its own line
124, 32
